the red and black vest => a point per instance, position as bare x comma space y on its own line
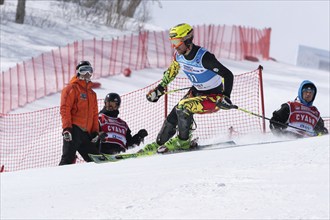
302, 116
115, 128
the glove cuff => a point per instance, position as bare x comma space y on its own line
67, 129
226, 96
94, 134
160, 88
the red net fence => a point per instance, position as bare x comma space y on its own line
31, 140
34, 140
48, 73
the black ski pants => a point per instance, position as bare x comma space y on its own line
81, 142
109, 148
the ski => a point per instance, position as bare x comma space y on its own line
104, 158
197, 147
98, 158
225, 143
127, 156
216, 146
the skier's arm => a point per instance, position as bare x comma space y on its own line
67, 101
210, 62
282, 116
129, 138
319, 128
95, 119
136, 139
169, 75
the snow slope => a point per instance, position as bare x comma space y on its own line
285, 180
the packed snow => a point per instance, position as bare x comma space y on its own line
280, 180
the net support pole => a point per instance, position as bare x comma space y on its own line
262, 99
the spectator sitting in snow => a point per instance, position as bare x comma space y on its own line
115, 135
299, 113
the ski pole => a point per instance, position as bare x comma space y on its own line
176, 90
263, 117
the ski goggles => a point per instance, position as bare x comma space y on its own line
83, 70
176, 42
308, 89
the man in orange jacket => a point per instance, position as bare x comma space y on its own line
79, 114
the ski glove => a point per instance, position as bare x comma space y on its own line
225, 103
139, 137
154, 94
67, 136
276, 127
322, 132
101, 136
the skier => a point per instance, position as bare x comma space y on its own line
211, 88
115, 135
299, 113
79, 115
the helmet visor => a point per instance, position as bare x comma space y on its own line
176, 42
83, 70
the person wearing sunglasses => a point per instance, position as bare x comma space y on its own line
211, 87
115, 135
304, 118
79, 114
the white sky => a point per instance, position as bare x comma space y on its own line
293, 23
274, 181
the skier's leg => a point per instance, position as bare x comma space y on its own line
166, 132
168, 129
185, 120
182, 141
87, 147
83, 142
69, 153
185, 111
110, 148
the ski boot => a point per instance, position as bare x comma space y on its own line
149, 148
194, 144
175, 144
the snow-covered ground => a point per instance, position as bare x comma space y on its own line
56, 32
284, 180
275, 181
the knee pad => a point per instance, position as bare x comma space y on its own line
168, 130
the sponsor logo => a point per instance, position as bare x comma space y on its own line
305, 118
306, 127
199, 86
117, 137
188, 68
116, 129
83, 96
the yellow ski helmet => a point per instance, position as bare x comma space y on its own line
181, 33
